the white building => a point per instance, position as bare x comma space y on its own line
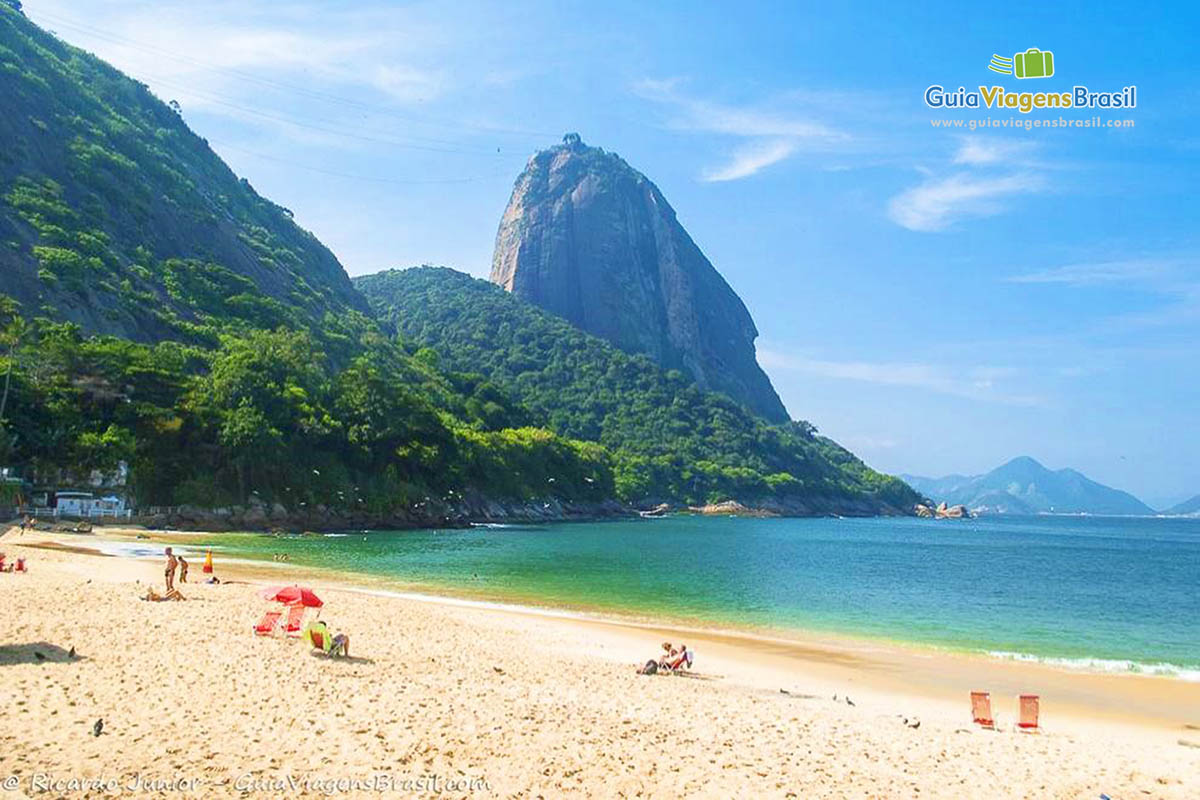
85, 504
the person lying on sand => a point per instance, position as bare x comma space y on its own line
155, 597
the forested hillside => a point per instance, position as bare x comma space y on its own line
156, 312
670, 440
114, 215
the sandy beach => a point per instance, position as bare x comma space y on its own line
458, 699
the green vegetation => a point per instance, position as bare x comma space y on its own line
267, 415
669, 439
117, 217
158, 313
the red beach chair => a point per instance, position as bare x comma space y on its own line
1029, 714
294, 619
981, 710
266, 626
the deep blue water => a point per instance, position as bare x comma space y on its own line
1109, 593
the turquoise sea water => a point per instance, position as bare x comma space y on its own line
1120, 594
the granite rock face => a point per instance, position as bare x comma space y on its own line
592, 240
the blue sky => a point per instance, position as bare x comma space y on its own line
938, 300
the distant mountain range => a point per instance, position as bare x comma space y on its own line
1187, 507
1023, 486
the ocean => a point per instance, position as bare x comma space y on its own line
1099, 593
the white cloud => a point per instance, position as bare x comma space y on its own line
751, 158
980, 151
407, 84
207, 57
1175, 278
767, 136
1106, 272
977, 383
938, 203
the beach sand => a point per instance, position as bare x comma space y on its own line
494, 702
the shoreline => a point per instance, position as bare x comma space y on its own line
898, 665
532, 701
463, 594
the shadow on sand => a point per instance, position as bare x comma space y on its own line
341, 659
35, 653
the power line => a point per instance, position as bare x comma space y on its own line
351, 176
115, 38
288, 119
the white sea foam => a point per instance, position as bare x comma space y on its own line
1109, 665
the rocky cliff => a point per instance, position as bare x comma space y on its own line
592, 240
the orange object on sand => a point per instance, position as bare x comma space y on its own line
1029, 714
208, 567
267, 624
981, 709
295, 619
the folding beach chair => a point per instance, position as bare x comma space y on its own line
981, 710
266, 626
295, 618
317, 634
318, 637
1029, 714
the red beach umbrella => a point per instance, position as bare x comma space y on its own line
293, 596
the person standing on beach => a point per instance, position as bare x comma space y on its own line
183, 567
171, 565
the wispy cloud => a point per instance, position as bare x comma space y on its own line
1138, 270
766, 136
977, 383
751, 158
1174, 279
938, 203
368, 63
980, 151
986, 173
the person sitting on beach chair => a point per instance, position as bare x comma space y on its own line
317, 636
669, 654
683, 660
